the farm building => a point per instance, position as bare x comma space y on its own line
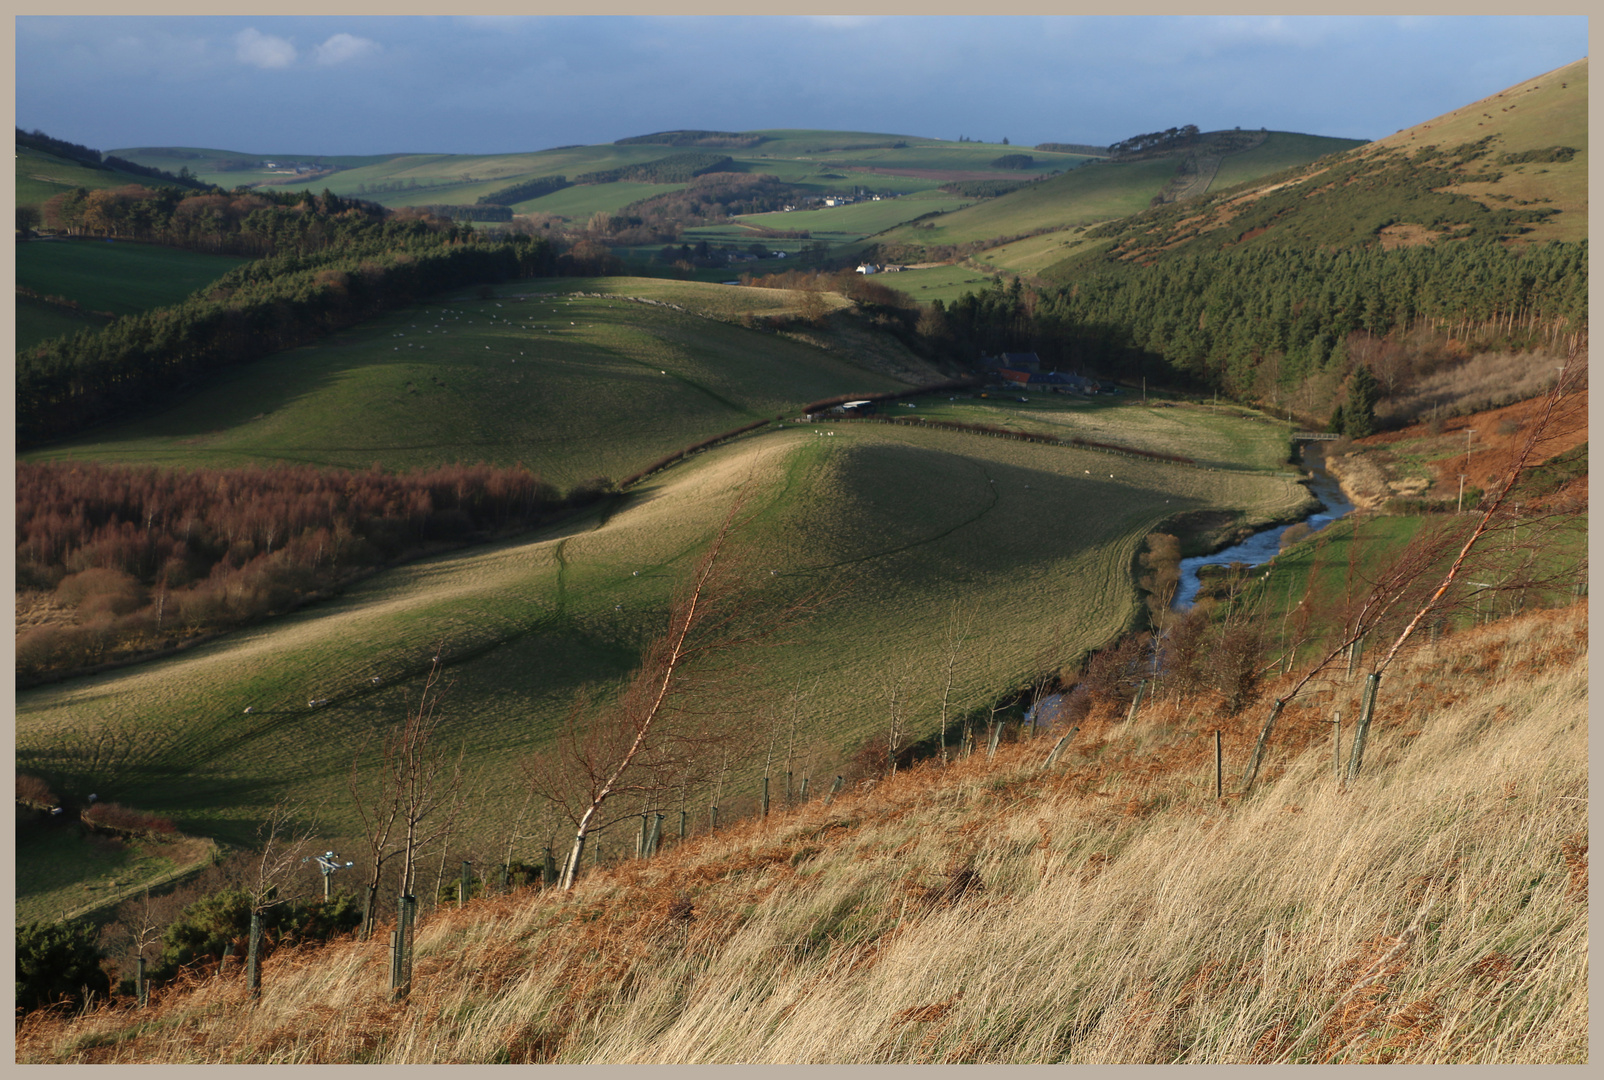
1062, 380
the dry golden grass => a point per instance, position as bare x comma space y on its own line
1111, 910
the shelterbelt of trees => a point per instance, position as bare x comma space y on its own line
340, 264
245, 222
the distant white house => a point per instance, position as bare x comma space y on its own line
868, 268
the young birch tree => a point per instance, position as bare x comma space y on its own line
1420, 581
408, 787
666, 725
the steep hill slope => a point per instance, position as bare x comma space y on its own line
1108, 909
1511, 167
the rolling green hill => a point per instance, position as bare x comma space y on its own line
818, 161
906, 527
1096, 192
41, 175
572, 386
119, 278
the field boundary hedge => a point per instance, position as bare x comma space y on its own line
1026, 436
678, 455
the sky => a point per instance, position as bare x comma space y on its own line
392, 84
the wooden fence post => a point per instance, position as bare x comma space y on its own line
640, 841
1367, 707
1219, 769
835, 787
765, 796
253, 957
682, 824
548, 869
1058, 748
1136, 702
712, 819
462, 890
1336, 744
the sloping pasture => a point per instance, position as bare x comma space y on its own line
121, 278
1015, 554
572, 387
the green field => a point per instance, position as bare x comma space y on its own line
38, 321
1100, 191
904, 526
1224, 437
121, 278
61, 870
572, 387
41, 176
1281, 150
945, 283
862, 218
1092, 193
578, 203
819, 161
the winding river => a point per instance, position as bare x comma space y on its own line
1262, 546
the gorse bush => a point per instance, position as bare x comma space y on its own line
216, 922
58, 962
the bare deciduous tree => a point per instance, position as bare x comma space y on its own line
658, 734
1421, 579
407, 789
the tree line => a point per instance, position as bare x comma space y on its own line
145, 556
242, 222
1249, 321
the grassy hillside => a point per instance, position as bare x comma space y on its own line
1101, 191
119, 278
41, 176
571, 386
39, 321
1511, 167
820, 161
905, 527
1095, 192
1107, 910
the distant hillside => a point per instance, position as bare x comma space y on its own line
1511, 167
1104, 190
